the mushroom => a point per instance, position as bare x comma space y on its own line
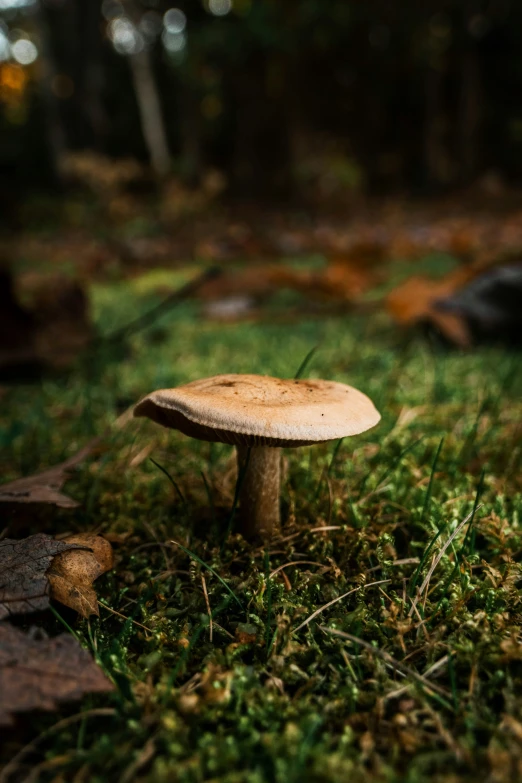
260, 415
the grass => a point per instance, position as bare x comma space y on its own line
384, 684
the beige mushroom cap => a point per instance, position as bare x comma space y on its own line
256, 410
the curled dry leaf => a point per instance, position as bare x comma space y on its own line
24, 586
39, 674
72, 573
476, 300
45, 487
414, 301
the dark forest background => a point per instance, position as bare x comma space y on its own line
284, 98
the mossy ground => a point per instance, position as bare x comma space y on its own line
260, 700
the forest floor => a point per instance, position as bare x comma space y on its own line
414, 674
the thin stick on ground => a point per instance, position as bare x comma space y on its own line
402, 561
124, 617
207, 602
335, 600
428, 673
151, 316
389, 659
437, 560
297, 562
421, 621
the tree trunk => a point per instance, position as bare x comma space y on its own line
150, 112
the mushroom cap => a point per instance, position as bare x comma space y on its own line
257, 410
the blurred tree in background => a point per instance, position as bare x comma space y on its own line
287, 99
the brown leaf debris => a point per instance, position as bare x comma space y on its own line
72, 573
414, 301
39, 674
45, 487
24, 586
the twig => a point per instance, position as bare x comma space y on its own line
421, 621
431, 670
148, 318
146, 754
124, 617
217, 625
438, 559
286, 580
325, 527
214, 573
387, 658
296, 562
402, 561
339, 598
203, 582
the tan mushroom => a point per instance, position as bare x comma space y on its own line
259, 415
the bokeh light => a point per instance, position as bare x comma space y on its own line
5, 47
175, 20
12, 5
24, 51
13, 83
126, 39
219, 7
174, 43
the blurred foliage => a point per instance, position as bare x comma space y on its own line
365, 95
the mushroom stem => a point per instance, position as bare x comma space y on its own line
259, 471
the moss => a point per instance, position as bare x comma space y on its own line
259, 701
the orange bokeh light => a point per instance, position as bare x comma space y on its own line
13, 81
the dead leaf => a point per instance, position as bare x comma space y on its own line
346, 276
24, 586
72, 573
414, 301
45, 487
39, 674
142, 454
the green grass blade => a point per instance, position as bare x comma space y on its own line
174, 484
306, 361
209, 568
429, 491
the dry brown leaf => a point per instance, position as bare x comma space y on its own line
45, 487
72, 573
24, 586
39, 674
346, 277
414, 301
